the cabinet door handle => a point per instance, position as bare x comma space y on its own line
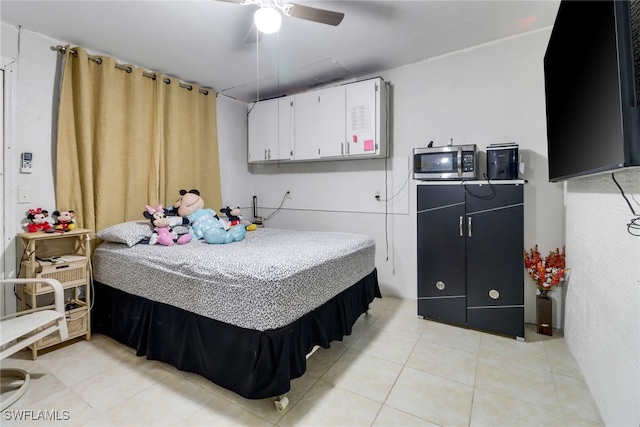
469, 227
342, 148
265, 154
269, 155
461, 227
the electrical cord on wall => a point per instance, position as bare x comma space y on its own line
24, 256
388, 199
278, 208
633, 227
398, 192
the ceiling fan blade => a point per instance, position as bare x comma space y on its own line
313, 14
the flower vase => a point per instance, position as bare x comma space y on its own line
544, 313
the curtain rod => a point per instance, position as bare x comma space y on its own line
98, 60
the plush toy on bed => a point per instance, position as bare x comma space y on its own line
233, 215
233, 218
39, 221
172, 211
64, 220
163, 232
205, 223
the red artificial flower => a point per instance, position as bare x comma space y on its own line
546, 272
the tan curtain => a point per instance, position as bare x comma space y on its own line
126, 140
190, 145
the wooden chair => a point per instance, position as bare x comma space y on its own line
19, 330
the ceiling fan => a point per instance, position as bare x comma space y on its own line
268, 19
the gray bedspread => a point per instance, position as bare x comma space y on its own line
265, 281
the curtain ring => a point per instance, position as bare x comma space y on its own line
98, 61
128, 70
167, 81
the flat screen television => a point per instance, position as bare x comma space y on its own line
592, 88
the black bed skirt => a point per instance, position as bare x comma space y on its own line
254, 364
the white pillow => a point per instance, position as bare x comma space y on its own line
129, 233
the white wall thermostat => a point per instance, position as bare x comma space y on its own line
25, 164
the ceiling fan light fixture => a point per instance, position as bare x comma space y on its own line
267, 20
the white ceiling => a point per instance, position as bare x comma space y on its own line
204, 41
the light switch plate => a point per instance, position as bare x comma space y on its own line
24, 194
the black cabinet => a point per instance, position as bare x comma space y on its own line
470, 255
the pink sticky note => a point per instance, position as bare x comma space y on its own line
368, 145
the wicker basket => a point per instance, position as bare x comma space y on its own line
69, 274
77, 325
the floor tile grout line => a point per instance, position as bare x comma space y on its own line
293, 404
475, 379
393, 310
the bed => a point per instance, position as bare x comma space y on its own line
244, 315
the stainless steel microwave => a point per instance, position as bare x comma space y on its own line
443, 163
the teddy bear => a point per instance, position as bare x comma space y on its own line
39, 221
163, 232
205, 223
64, 220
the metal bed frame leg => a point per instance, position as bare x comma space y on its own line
281, 402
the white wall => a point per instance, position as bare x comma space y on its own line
603, 293
33, 84
236, 182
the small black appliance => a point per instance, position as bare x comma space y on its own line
502, 161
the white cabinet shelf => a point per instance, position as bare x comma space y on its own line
270, 130
336, 123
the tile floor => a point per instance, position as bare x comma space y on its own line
395, 369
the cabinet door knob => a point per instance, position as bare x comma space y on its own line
440, 285
493, 294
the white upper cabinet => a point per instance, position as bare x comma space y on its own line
366, 119
270, 130
305, 127
342, 122
319, 124
331, 122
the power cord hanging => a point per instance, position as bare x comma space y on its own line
278, 208
492, 190
633, 227
398, 192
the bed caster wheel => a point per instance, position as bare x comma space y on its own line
281, 403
